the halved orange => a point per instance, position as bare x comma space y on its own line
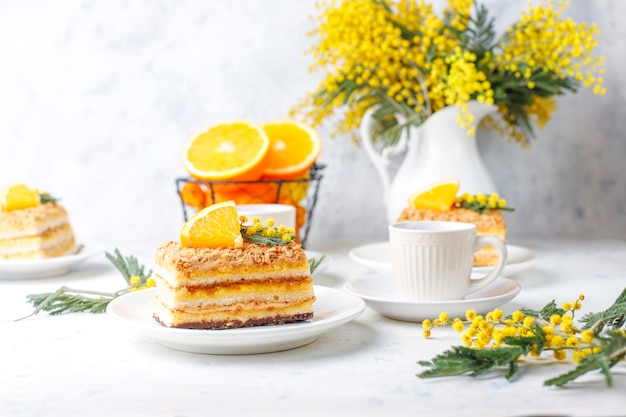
439, 196
216, 226
18, 197
294, 147
232, 150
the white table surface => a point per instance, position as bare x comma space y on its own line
84, 364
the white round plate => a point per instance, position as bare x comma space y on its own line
331, 309
376, 256
379, 292
46, 267
323, 266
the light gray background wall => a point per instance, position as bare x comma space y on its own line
97, 99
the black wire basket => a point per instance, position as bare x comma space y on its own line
301, 193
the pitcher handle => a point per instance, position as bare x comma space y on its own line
380, 161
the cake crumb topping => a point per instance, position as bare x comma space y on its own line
493, 218
173, 255
20, 219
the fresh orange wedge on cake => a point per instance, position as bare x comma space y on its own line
215, 226
18, 197
439, 196
294, 147
232, 150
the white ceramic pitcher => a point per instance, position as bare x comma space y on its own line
438, 149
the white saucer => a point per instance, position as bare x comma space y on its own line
379, 292
323, 265
46, 267
376, 256
332, 309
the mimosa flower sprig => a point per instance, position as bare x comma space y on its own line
496, 341
314, 263
70, 300
399, 57
482, 203
267, 234
271, 235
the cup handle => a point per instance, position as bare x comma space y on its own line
477, 284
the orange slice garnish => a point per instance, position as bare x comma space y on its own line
18, 197
215, 226
439, 196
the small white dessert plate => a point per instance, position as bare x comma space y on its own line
332, 309
323, 266
376, 256
379, 292
46, 267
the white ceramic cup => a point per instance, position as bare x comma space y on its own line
432, 260
283, 214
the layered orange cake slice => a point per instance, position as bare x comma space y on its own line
230, 286
33, 230
439, 201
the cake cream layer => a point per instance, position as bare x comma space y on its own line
490, 223
246, 315
32, 221
197, 267
242, 292
55, 242
36, 230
